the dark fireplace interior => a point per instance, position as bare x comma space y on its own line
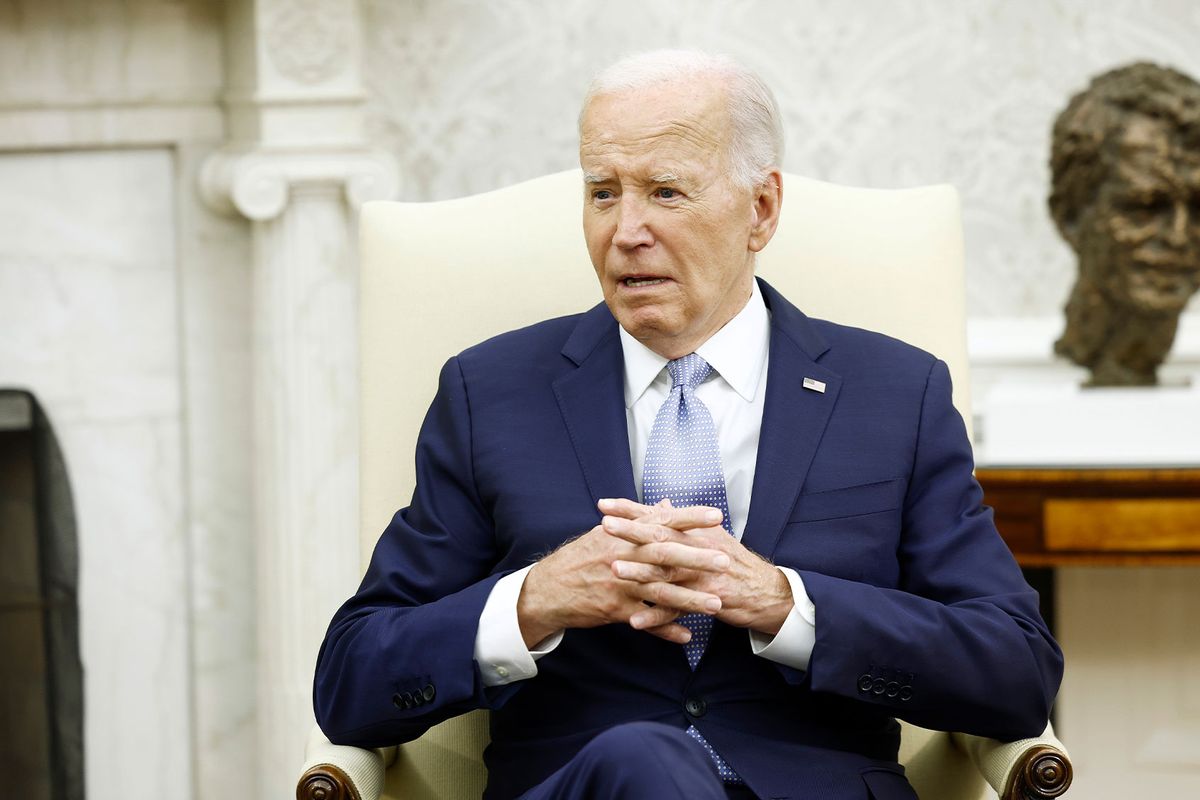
41, 679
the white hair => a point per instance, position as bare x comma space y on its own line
756, 143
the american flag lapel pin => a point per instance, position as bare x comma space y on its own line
815, 385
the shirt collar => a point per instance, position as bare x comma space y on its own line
736, 352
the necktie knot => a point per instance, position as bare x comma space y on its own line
689, 371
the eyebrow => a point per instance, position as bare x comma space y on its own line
589, 177
665, 177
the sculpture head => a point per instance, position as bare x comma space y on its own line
1125, 165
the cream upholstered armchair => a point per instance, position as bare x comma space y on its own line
439, 277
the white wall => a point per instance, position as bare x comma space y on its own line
1130, 701
472, 96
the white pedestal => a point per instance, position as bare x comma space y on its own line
1062, 424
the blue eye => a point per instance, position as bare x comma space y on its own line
602, 194
666, 193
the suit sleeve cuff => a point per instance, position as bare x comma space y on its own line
500, 649
793, 645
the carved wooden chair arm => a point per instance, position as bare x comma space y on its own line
337, 772
326, 782
1040, 772
1029, 769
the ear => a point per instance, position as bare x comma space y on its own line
1066, 218
768, 199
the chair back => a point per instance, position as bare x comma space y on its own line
439, 277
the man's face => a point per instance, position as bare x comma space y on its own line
671, 239
1140, 240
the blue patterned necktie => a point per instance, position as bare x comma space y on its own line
683, 464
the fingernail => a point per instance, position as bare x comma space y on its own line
713, 604
605, 502
614, 524
686, 637
712, 517
637, 620
721, 561
621, 569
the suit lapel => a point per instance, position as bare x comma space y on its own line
591, 398
794, 420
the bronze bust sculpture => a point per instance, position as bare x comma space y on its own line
1125, 164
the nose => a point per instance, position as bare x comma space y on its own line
1178, 233
632, 230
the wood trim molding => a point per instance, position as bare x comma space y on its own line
1060, 517
1149, 524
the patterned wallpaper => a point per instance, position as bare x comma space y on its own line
471, 96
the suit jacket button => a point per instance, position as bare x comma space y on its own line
428, 692
893, 689
397, 700
864, 682
695, 707
878, 686
905, 692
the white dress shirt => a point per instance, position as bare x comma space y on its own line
734, 393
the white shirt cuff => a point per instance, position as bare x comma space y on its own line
500, 649
793, 645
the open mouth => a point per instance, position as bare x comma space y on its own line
637, 281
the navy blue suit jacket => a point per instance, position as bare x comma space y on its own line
865, 489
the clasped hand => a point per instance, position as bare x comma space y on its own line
647, 565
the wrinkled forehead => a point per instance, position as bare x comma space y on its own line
688, 118
1153, 153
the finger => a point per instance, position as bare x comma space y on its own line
672, 597
642, 573
629, 509
638, 532
684, 555
662, 514
641, 532
647, 618
683, 518
712, 533
673, 632
649, 573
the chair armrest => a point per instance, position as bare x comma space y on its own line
1028, 769
326, 782
1041, 772
338, 772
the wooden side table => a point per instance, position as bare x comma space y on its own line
1060, 517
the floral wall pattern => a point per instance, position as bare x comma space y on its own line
471, 96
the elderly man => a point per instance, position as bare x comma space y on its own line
604, 500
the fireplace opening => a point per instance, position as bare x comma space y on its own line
41, 678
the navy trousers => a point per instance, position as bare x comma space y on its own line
635, 761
